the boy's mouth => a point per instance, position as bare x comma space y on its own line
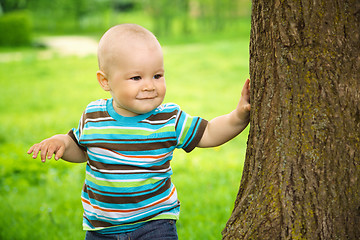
147, 97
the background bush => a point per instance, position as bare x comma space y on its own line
15, 28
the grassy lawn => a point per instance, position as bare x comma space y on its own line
42, 97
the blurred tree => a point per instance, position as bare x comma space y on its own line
164, 12
187, 16
64, 15
124, 5
175, 17
12, 5
301, 177
184, 7
80, 8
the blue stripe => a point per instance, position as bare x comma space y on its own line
122, 190
128, 206
130, 193
110, 160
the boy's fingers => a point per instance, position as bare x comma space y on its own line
30, 149
35, 150
50, 151
46, 149
59, 153
245, 93
43, 154
247, 84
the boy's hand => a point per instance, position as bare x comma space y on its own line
48, 147
223, 128
243, 108
244, 104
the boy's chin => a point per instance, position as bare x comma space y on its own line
147, 107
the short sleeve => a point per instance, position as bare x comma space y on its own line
189, 130
75, 133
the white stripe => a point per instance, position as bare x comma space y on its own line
99, 107
113, 156
170, 106
135, 162
123, 180
159, 121
98, 119
129, 128
144, 171
120, 180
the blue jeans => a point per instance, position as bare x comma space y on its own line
157, 229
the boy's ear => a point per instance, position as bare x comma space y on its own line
103, 81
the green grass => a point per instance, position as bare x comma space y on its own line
39, 98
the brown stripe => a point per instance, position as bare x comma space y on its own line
120, 140
100, 165
161, 117
99, 224
127, 199
198, 135
130, 146
178, 119
135, 192
98, 114
72, 135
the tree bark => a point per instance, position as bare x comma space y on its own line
301, 177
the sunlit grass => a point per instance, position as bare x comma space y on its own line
42, 97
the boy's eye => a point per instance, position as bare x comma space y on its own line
157, 76
136, 78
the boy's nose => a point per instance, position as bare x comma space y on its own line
148, 85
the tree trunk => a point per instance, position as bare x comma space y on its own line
301, 177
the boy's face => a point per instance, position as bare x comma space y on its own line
136, 80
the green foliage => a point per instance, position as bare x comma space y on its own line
185, 17
165, 17
47, 96
16, 29
11, 5
68, 16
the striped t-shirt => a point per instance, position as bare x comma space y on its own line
128, 170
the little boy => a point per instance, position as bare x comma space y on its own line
128, 141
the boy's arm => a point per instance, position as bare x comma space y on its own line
223, 128
62, 145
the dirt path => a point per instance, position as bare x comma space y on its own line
71, 45
61, 46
